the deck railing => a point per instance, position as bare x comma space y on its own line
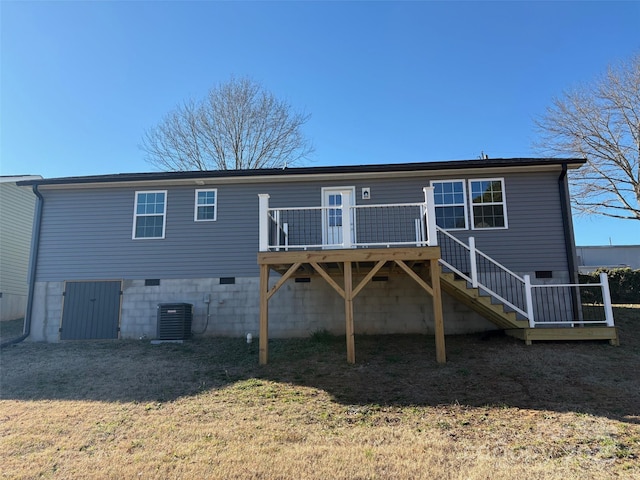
593, 301
482, 272
413, 224
540, 304
347, 225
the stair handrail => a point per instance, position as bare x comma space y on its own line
529, 308
447, 264
473, 279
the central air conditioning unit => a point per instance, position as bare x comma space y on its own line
174, 321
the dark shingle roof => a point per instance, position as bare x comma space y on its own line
341, 169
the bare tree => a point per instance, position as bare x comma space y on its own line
238, 125
600, 122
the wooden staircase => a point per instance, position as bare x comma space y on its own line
459, 288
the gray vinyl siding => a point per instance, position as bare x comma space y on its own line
87, 233
535, 237
16, 220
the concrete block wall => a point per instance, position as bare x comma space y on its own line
233, 309
397, 305
47, 311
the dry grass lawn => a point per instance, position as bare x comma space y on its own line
11, 329
205, 409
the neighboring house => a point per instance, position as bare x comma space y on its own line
609, 256
16, 220
113, 247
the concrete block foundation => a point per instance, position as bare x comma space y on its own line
397, 305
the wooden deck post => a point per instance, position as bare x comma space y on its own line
348, 312
441, 355
289, 263
264, 314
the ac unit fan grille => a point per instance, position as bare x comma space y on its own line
174, 321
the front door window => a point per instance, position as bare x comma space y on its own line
336, 203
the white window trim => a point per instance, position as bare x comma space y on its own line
215, 205
136, 215
465, 204
503, 203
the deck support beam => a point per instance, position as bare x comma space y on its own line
368, 278
264, 314
283, 279
415, 276
288, 263
348, 312
328, 279
441, 355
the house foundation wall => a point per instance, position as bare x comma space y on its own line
397, 305
46, 312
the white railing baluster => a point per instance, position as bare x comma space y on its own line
473, 262
529, 299
430, 202
285, 231
346, 218
606, 298
263, 221
276, 219
422, 225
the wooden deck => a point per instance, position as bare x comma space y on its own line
348, 271
333, 264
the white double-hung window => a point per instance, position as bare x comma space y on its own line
488, 204
149, 214
450, 204
206, 203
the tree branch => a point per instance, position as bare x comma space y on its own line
238, 125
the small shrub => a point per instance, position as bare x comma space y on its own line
322, 336
624, 284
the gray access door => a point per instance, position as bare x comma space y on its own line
91, 310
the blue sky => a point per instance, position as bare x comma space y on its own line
385, 82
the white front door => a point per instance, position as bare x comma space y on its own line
336, 217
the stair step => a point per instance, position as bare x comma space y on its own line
569, 333
480, 303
